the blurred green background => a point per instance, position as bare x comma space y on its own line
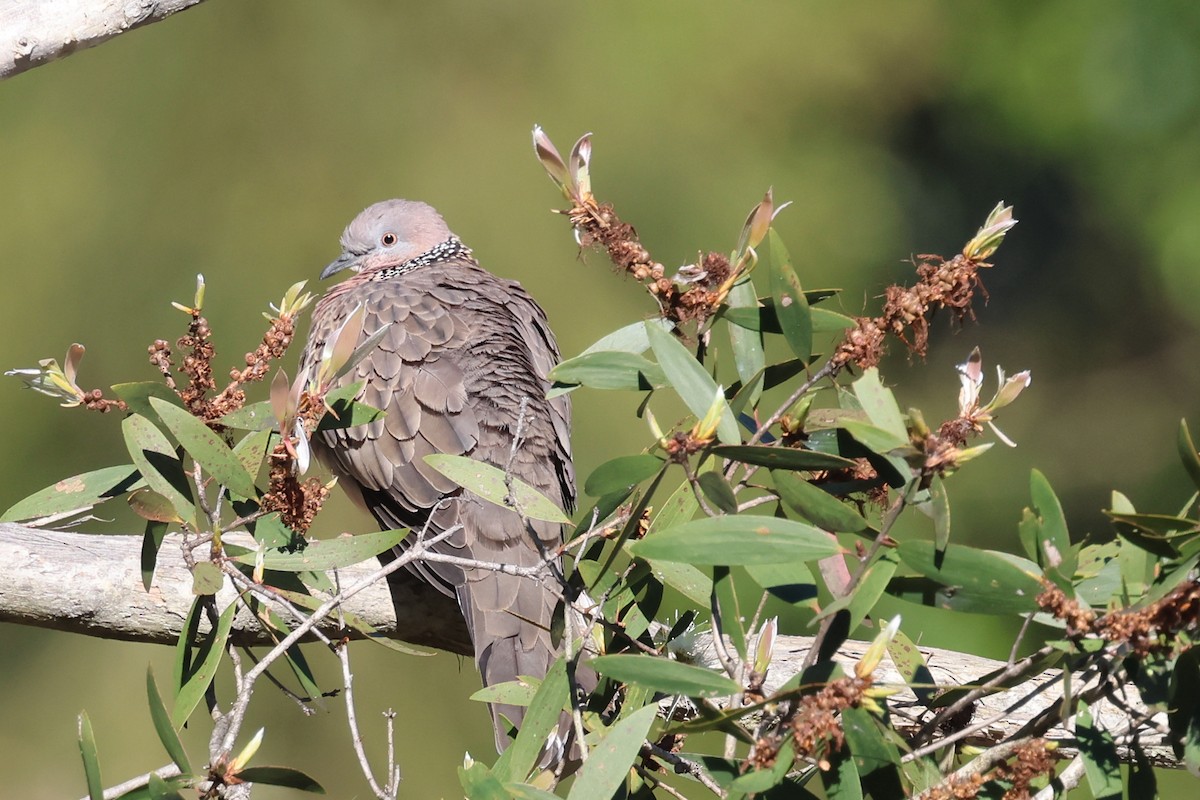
237, 140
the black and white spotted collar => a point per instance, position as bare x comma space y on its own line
448, 250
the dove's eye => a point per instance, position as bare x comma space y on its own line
388, 239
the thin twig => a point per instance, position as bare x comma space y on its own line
685, 765
166, 773
393, 778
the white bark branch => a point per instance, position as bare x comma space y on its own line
91, 584
36, 32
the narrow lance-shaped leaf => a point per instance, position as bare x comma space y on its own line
281, 776
605, 369
77, 493
162, 725
191, 692
611, 758
489, 483
91, 760
790, 303
541, 718
328, 554
205, 447
664, 675
621, 473
984, 581
815, 504
748, 357
153, 455
880, 404
1188, 454
691, 381
737, 541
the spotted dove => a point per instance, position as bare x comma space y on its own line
464, 351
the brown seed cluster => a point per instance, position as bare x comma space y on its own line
941, 284
1146, 630
599, 225
682, 444
297, 502
814, 723
96, 401
274, 344
1029, 763
197, 365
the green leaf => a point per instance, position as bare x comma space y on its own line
718, 491
788, 458
867, 743
91, 760
937, 508
880, 405
543, 716
346, 412
162, 725
871, 587
254, 417
152, 506
681, 506
911, 666
182, 664
1188, 454
207, 578
205, 447
620, 473
523, 791
747, 344
152, 540
683, 578
1183, 714
984, 581
628, 339
254, 449
609, 370
480, 784
1053, 530
691, 381
610, 760
737, 541
329, 553
196, 685
791, 306
663, 675
281, 776
75, 494
513, 693
488, 482
155, 458
815, 504
842, 781
1100, 761
766, 320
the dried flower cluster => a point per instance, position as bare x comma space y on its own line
1147, 630
1033, 760
274, 345
693, 294
297, 502
814, 724
906, 311
941, 284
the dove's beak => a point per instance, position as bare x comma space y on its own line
344, 261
